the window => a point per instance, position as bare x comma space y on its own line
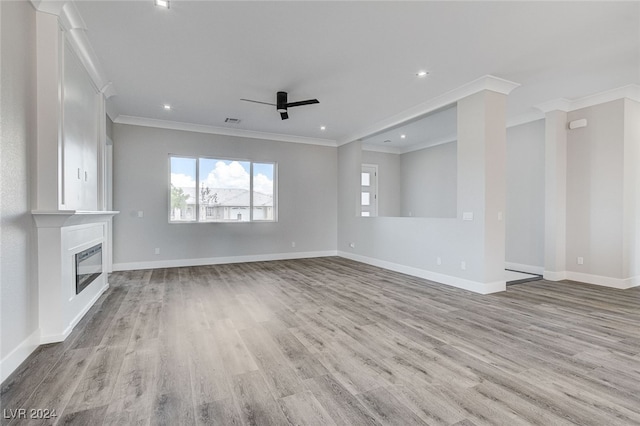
369, 190
221, 190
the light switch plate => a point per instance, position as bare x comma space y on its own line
467, 215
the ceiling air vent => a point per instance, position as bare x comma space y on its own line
232, 120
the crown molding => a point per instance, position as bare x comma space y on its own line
560, 104
381, 148
487, 82
201, 128
53, 7
630, 91
407, 149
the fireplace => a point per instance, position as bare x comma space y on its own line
88, 266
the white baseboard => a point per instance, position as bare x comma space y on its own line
620, 283
17, 356
554, 275
55, 338
176, 263
474, 286
521, 267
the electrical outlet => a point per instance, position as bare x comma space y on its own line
157, 250
463, 265
438, 260
580, 260
293, 243
499, 216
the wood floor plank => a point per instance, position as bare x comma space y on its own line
223, 412
343, 407
93, 332
173, 395
58, 386
278, 372
303, 408
91, 416
388, 409
329, 340
235, 356
301, 359
99, 380
209, 378
257, 405
135, 388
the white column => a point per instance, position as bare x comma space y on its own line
481, 185
555, 241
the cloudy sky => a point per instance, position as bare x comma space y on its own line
222, 174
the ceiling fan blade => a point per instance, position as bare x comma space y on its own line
300, 103
258, 102
284, 115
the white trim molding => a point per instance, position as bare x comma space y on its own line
12, 361
630, 91
177, 263
487, 82
215, 130
619, 283
554, 275
407, 149
473, 286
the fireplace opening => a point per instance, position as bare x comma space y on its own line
88, 266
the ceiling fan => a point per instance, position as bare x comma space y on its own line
282, 104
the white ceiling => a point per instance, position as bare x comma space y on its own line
358, 58
435, 128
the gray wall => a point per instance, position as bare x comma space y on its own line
524, 216
595, 190
413, 244
307, 187
631, 243
18, 292
388, 181
429, 181
109, 127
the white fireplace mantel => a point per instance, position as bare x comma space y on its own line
61, 235
62, 218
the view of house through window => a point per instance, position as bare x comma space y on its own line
220, 190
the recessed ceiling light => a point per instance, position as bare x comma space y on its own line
323, 127
167, 107
403, 136
422, 73
162, 3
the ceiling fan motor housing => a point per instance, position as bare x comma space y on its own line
281, 102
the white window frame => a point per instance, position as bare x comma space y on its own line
197, 205
372, 209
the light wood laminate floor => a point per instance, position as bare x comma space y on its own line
330, 341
